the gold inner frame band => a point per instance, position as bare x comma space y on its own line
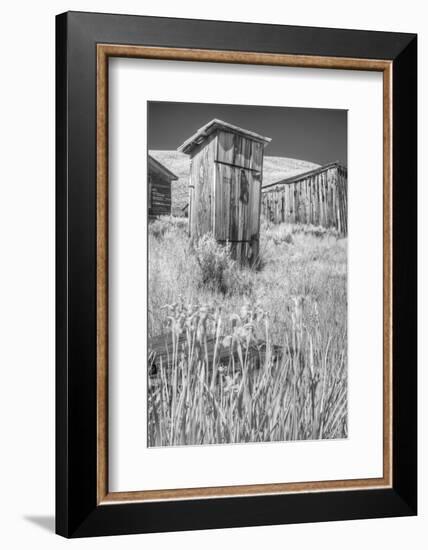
104, 52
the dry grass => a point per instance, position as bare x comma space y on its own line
296, 303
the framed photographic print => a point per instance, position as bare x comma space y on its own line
236, 274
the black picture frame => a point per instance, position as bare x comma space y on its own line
77, 511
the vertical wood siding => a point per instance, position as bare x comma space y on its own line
239, 151
201, 189
318, 197
160, 190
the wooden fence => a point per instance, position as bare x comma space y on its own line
318, 197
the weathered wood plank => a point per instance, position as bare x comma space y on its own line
163, 348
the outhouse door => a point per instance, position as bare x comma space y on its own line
237, 210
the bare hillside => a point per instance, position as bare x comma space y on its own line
274, 169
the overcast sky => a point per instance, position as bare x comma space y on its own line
316, 135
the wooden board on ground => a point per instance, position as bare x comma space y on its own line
161, 352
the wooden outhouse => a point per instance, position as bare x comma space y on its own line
159, 188
226, 171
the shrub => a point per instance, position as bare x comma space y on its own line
214, 261
284, 232
240, 281
315, 230
163, 224
279, 234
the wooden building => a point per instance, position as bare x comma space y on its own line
225, 186
317, 197
159, 188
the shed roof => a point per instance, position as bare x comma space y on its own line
153, 163
303, 175
212, 126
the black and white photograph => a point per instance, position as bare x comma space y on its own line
247, 210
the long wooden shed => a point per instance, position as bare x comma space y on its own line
225, 185
159, 188
317, 197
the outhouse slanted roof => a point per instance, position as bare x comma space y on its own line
212, 126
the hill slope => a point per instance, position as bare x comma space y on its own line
274, 169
